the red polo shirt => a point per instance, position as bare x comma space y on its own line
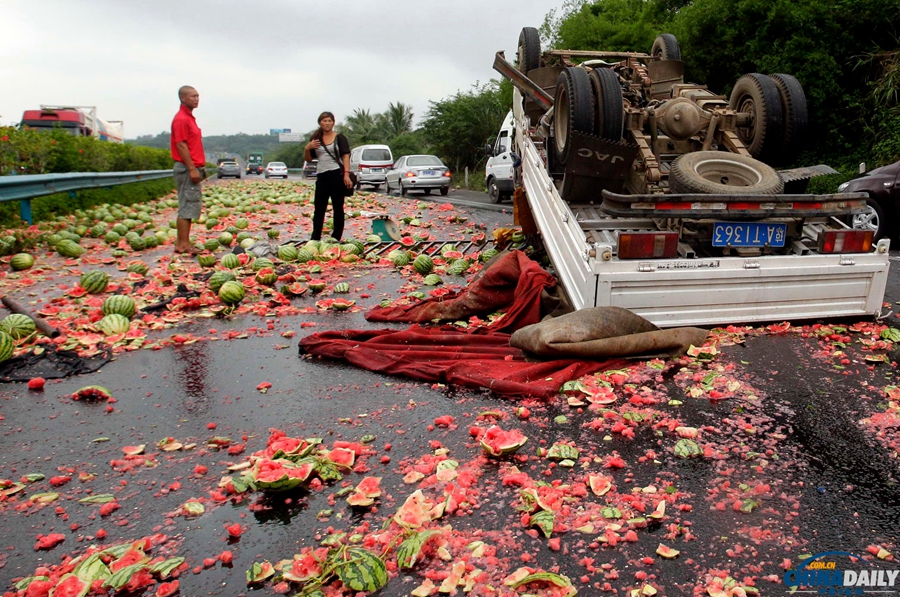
184, 128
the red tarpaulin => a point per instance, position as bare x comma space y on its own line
513, 284
449, 357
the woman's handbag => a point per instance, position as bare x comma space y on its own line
353, 179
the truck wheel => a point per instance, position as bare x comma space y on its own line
493, 191
573, 109
872, 219
720, 172
609, 110
796, 116
665, 47
757, 95
529, 49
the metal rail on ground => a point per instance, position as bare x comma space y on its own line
26, 187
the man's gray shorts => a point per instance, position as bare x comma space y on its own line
190, 195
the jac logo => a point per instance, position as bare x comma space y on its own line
588, 153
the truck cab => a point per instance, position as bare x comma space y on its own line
498, 172
255, 163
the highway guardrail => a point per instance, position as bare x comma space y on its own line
26, 187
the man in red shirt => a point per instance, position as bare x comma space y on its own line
187, 151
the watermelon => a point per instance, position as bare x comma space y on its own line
211, 244
138, 267
260, 572
266, 276
329, 253
363, 570
219, 278
112, 237
119, 303
342, 287
113, 324
488, 255
373, 238
94, 282
423, 264
304, 255
225, 239
432, 280
562, 452
18, 326
341, 304
242, 236
358, 244
261, 263
280, 475
316, 269
342, 457
273, 233
70, 586
206, 260
497, 442
599, 484
211, 223
21, 262
231, 292
398, 258
667, 552
447, 249
6, 346
241, 223
288, 252
68, 248
317, 285
97, 231
458, 267
90, 393
313, 246
231, 261
137, 244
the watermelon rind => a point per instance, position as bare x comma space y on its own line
6, 346
423, 264
220, 277
94, 282
17, 325
497, 442
120, 304
113, 324
231, 261
21, 261
231, 292
363, 570
342, 287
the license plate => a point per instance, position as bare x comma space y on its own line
378, 170
429, 172
748, 234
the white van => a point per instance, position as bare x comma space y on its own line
371, 163
498, 173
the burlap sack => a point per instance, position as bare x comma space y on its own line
602, 333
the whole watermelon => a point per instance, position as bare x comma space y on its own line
423, 264
94, 282
70, 249
231, 293
288, 253
219, 278
113, 324
120, 304
18, 326
21, 262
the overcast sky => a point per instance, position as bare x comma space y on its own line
258, 65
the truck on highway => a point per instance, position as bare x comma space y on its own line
80, 121
660, 196
255, 162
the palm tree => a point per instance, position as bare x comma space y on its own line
361, 127
398, 120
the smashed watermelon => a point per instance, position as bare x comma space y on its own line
497, 442
281, 475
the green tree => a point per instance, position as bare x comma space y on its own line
361, 127
458, 126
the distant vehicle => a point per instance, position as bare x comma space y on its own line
255, 162
229, 168
79, 121
883, 202
371, 163
498, 172
413, 172
309, 169
274, 169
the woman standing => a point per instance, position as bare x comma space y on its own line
332, 174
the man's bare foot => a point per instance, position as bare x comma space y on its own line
189, 251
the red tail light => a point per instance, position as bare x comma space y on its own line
845, 241
448, 174
409, 174
646, 245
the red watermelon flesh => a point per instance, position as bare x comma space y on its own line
129, 558
342, 457
496, 441
71, 586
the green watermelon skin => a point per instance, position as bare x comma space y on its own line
342, 287
423, 264
231, 261
70, 249
231, 293
21, 262
288, 253
95, 282
114, 324
218, 279
119, 304
6, 346
17, 325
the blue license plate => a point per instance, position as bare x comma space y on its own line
429, 172
749, 234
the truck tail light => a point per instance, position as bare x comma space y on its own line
646, 245
845, 241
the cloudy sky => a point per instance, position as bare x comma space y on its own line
258, 65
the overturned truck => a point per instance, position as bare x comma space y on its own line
662, 197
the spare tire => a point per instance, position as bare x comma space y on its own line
757, 95
720, 172
529, 50
796, 116
573, 109
609, 110
665, 47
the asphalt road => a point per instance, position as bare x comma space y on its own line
834, 486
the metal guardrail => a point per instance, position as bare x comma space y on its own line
26, 187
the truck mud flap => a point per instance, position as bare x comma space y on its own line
596, 165
733, 206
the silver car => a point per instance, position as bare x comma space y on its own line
425, 172
274, 169
229, 169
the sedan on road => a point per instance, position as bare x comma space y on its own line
883, 203
309, 169
276, 169
412, 172
229, 169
